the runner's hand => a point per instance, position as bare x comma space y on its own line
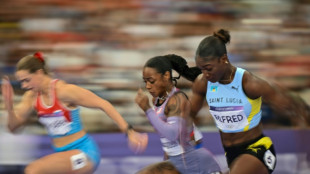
7, 93
137, 142
142, 100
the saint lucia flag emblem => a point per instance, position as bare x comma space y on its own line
213, 88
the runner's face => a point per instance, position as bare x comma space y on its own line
211, 69
154, 82
29, 81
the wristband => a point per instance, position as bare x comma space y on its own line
129, 127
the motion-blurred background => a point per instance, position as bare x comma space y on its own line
102, 45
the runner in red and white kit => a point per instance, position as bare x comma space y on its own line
57, 105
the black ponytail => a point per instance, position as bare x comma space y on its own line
168, 62
179, 64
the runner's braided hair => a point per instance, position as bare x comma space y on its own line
168, 62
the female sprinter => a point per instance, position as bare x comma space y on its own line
234, 96
56, 103
171, 118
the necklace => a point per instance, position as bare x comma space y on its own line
163, 97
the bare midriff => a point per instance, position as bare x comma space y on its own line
230, 139
62, 141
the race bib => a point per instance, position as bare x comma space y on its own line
269, 159
172, 148
56, 125
229, 118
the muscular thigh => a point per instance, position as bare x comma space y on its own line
258, 155
73, 161
246, 164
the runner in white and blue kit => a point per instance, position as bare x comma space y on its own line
170, 116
